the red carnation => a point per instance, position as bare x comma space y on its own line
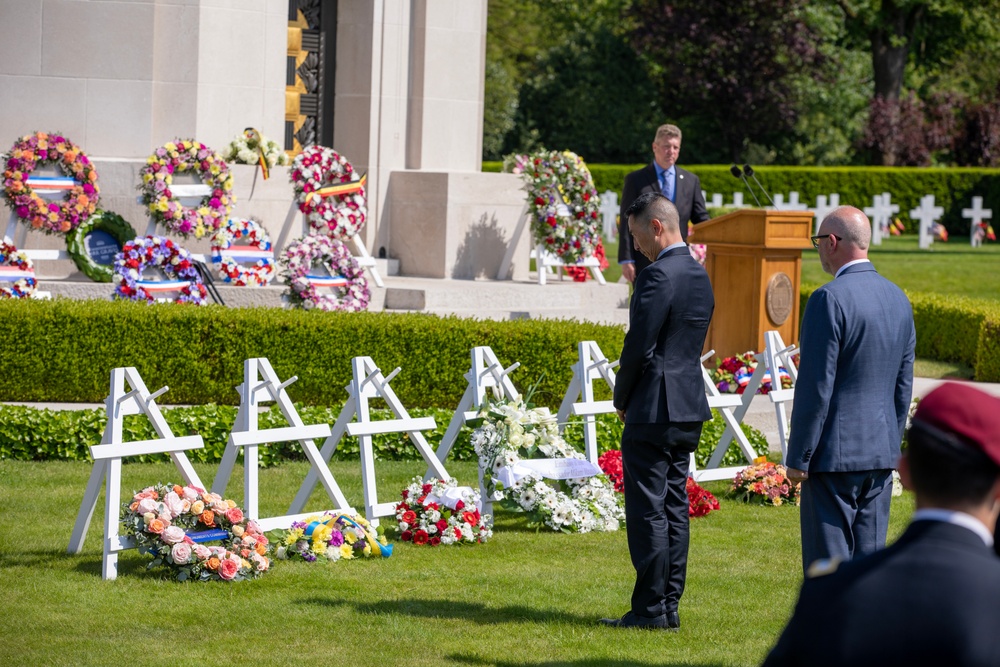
420, 537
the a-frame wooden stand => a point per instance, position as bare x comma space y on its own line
369, 382
261, 383
108, 462
591, 365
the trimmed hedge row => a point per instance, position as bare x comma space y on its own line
32, 434
951, 328
63, 350
953, 187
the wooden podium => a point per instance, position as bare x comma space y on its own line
754, 260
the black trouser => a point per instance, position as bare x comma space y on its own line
655, 459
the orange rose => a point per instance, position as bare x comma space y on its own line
178, 490
260, 549
208, 518
134, 506
156, 526
213, 563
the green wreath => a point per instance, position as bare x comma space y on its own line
105, 221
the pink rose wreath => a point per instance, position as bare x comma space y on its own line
329, 192
346, 278
79, 183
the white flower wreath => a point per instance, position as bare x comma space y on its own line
225, 253
510, 432
345, 275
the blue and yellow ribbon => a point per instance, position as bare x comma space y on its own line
370, 537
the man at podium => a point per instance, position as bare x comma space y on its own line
664, 177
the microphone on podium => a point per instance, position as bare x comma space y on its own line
748, 170
735, 171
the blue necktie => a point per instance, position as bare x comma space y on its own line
668, 186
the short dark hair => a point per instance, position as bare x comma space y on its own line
651, 205
946, 470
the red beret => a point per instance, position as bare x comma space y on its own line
970, 414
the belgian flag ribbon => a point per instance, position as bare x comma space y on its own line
343, 189
253, 135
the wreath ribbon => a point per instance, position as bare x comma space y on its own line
327, 281
385, 550
162, 285
333, 190
13, 274
253, 135
51, 183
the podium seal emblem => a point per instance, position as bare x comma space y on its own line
779, 298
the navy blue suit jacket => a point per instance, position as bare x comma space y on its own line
688, 199
929, 599
855, 376
659, 377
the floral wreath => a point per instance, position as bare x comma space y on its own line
700, 500
441, 512
161, 253
765, 483
508, 432
169, 521
346, 276
40, 148
183, 156
105, 221
331, 537
330, 193
563, 202
225, 254
17, 273
732, 374
251, 146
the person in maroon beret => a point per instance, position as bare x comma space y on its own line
932, 597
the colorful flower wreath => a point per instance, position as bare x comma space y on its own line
161, 253
732, 375
331, 537
765, 483
225, 254
507, 433
170, 522
17, 274
183, 156
441, 512
34, 150
700, 500
563, 201
330, 193
346, 277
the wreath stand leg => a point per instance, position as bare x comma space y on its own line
777, 355
108, 461
369, 382
591, 365
486, 372
260, 384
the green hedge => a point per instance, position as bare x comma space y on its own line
951, 328
64, 350
33, 434
953, 188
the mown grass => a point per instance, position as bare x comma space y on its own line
525, 598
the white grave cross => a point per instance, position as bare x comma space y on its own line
793, 203
591, 365
976, 215
822, 209
881, 212
108, 462
609, 214
926, 215
737, 201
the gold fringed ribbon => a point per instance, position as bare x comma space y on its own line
332, 190
253, 135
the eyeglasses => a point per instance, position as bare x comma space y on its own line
815, 239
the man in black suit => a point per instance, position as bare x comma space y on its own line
660, 396
664, 177
932, 598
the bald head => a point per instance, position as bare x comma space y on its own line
851, 225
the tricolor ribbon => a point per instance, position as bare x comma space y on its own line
327, 281
12, 274
253, 135
332, 190
370, 538
248, 252
51, 183
162, 285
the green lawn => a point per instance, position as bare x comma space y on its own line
525, 598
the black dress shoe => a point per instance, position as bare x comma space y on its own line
631, 620
673, 620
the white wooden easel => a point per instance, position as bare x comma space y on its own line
591, 365
369, 382
363, 257
732, 408
260, 384
545, 261
777, 355
108, 462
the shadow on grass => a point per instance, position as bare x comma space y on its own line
583, 662
464, 611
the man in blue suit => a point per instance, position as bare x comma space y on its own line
852, 396
660, 396
931, 597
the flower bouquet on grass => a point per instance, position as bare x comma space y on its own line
700, 501
765, 483
510, 438
441, 512
331, 537
169, 522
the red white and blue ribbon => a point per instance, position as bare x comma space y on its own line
162, 285
327, 281
246, 253
13, 274
51, 183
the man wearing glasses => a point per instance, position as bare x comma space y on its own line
852, 396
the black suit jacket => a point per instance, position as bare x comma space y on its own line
689, 201
932, 598
659, 376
